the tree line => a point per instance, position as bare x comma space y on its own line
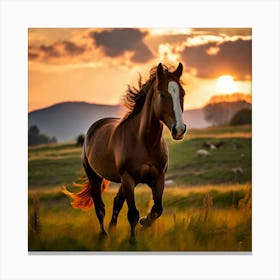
232, 113
36, 138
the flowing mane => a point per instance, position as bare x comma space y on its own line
134, 98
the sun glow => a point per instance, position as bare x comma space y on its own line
226, 84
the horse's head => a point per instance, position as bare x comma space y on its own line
169, 100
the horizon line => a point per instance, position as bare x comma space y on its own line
93, 103
111, 105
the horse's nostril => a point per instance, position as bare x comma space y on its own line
178, 133
185, 129
173, 130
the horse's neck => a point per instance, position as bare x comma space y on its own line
150, 128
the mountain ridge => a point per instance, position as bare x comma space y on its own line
67, 120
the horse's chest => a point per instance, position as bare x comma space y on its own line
142, 164
147, 169
146, 173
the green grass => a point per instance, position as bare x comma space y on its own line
49, 172
222, 130
186, 167
55, 226
48, 167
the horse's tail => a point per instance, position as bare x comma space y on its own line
83, 198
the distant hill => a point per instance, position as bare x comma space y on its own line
66, 121
195, 119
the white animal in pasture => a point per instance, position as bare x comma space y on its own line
202, 153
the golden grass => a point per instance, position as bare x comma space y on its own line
222, 135
178, 229
49, 154
186, 189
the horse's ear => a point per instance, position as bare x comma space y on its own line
178, 72
159, 71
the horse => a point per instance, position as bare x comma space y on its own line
131, 150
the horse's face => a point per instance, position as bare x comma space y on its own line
169, 100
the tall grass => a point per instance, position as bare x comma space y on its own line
183, 226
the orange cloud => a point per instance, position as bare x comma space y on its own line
230, 98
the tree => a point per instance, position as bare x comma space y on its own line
222, 112
34, 130
80, 140
33, 135
35, 138
243, 116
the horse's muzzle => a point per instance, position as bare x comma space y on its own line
178, 133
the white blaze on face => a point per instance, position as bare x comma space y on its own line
173, 89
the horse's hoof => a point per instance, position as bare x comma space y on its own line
142, 221
103, 235
112, 227
132, 241
145, 222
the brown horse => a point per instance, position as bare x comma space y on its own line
132, 150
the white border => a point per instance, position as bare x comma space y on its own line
17, 16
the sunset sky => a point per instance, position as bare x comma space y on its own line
96, 64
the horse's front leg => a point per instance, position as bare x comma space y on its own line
127, 185
156, 210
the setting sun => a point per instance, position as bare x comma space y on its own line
226, 84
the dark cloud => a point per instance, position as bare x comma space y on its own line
72, 48
233, 58
49, 51
55, 50
116, 42
32, 55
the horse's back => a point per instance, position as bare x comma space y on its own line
99, 124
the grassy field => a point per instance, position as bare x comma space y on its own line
207, 206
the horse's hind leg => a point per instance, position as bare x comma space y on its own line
118, 204
99, 205
96, 191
